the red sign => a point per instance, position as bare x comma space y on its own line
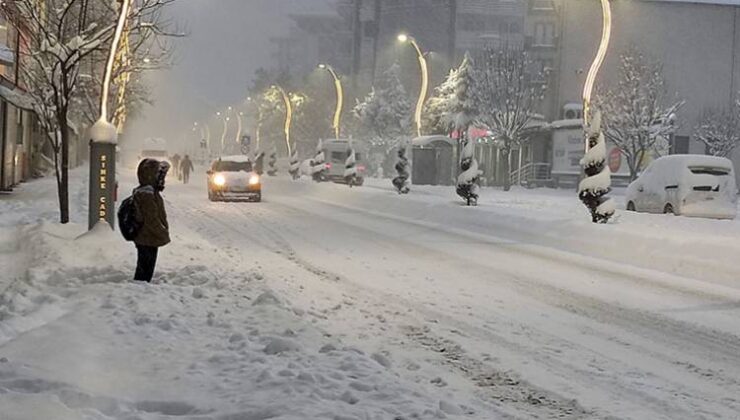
615, 160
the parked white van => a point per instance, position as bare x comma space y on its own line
336, 152
688, 185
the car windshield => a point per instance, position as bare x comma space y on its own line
230, 166
709, 170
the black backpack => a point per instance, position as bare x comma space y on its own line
127, 222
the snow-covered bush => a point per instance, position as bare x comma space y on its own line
350, 169
272, 163
318, 164
467, 181
596, 185
401, 181
295, 165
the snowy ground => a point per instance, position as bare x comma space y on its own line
329, 303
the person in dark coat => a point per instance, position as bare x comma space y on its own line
176, 165
151, 214
186, 166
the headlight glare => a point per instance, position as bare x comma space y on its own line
254, 180
219, 180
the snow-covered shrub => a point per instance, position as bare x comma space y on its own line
318, 164
350, 169
295, 165
401, 181
467, 181
597, 184
272, 163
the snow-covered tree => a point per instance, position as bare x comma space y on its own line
350, 169
61, 35
593, 189
637, 116
464, 104
295, 165
509, 98
401, 181
385, 113
719, 130
318, 163
272, 163
467, 181
436, 109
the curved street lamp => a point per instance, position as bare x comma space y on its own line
596, 184
288, 116
404, 38
598, 60
225, 129
340, 98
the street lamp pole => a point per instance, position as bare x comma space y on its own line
424, 79
598, 61
340, 98
103, 140
288, 116
592, 190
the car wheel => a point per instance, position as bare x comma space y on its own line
631, 206
668, 209
210, 196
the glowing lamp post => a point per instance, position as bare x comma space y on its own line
288, 116
403, 38
340, 98
103, 141
596, 184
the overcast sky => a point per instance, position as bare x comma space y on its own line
228, 40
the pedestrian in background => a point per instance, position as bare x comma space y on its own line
186, 166
176, 164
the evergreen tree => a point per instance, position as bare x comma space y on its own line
463, 104
467, 182
401, 182
385, 114
318, 164
272, 163
437, 109
350, 169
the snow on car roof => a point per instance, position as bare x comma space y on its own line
236, 158
700, 160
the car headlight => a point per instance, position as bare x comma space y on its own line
254, 180
219, 180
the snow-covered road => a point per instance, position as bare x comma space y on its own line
532, 326
337, 303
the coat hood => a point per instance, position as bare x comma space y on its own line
152, 172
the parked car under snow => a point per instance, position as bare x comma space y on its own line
688, 185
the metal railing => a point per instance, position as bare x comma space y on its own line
532, 175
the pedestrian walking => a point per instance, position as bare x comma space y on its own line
186, 166
176, 164
153, 232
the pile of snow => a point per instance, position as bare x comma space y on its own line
80, 340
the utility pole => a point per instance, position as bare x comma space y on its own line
357, 42
452, 28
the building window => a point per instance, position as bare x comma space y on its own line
544, 34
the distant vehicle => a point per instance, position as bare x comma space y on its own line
336, 152
154, 148
688, 185
232, 178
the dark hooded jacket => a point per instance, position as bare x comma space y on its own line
149, 204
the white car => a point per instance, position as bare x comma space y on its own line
688, 185
232, 178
